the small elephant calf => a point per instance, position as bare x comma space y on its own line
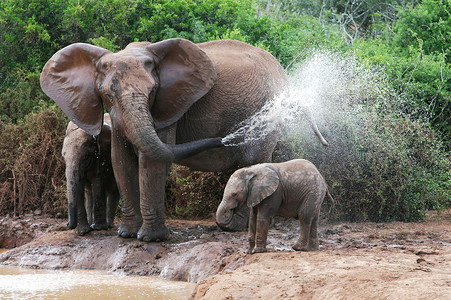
292, 189
92, 192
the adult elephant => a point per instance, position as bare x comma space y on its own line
167, 101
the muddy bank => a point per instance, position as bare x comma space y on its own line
192, 253
356, 260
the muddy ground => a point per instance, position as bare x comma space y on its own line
355, 260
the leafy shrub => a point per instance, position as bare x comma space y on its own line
423, 80
381, 165
22, 98
192, 194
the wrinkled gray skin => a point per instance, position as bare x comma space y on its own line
92, 193
170, 101
292, 189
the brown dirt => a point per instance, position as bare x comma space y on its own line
356, 260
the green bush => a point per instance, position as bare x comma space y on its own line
423, 80
22, 98
193, 194
381, 165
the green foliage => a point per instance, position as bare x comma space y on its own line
196, 20
26, 42
422, 75
22, 98
193, 194
381, 164
428, 25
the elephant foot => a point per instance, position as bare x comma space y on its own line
99, 226
127, 231
71, 225
298, 247
259, 250
82, 229
153, 234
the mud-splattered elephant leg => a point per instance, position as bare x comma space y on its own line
252, 228
82, 224
261, 234
313, 237
112, 203
126, 173
303, 241
99, 196
308, 218
152, 181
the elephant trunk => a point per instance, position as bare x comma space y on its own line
139, 129
224, 214
186, 150
232, 218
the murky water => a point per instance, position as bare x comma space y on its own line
20, 283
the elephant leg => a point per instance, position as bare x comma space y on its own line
261, 234
313, 237
88, 205
125, 166
302, 243
252, 229
82, 224
259, 151
99, 197
112, 203
75, 190
308, 221
152, 182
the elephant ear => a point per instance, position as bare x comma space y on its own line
186, 75
69, 79
262, 185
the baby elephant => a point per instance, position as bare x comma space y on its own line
292, 189
92, 193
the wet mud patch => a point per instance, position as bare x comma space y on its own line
363, 260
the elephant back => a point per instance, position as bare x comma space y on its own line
247, 78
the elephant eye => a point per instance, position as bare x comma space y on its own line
234, 195
149, 65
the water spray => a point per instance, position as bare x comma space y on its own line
323, 85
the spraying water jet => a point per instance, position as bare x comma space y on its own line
279, 114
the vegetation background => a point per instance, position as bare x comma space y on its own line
395, 166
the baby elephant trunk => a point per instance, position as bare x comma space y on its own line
232, 219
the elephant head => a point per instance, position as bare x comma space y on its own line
145, 87
246, 187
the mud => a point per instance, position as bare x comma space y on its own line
355, 260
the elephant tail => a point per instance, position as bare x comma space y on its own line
332, 204
308, 112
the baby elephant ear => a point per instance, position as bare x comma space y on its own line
262, 185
